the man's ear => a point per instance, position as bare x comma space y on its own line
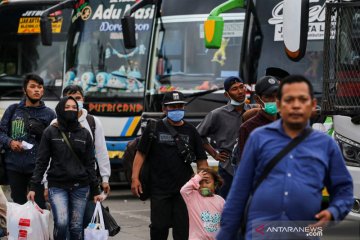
258, 100
226, 94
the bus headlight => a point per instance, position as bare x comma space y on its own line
350, 150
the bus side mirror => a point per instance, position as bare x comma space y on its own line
128, 29
213, 31
46, 31
296, 21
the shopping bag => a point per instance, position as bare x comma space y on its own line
96, 228
27, 221
109, 221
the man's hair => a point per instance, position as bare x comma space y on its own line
34, 77
295, 79
217, 179
71, 89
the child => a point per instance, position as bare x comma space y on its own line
204, 206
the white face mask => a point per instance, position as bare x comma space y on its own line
80, 104
236, 103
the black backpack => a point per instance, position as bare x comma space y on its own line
131, 148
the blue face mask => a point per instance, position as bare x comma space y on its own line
176, 115
80, 105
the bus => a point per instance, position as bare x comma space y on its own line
21, 50
123, 84
180, 61
330, 62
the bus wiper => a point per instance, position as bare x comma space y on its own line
199, 94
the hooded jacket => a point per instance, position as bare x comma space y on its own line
66, 171
13, 126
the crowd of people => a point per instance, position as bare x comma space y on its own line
272, 165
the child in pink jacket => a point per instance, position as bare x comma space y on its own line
204, 206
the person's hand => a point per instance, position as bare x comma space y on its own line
98, 198
202, 174
222, 156
136, 187
31, 196
46, 194
16, 146
106, 187
324, 218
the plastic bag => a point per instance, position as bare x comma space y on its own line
96, 228
27, 221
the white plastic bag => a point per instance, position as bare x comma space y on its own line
27, 221
96, 228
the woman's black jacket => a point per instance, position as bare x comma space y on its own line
65, 170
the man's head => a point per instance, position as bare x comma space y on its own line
173, 105
33, 86
235, 90
76, 92
296, 101
266, 92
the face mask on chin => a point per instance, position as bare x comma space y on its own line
33, 101
236, 103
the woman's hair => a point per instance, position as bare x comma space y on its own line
217, 179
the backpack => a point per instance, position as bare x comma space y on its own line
131, 148
91, 121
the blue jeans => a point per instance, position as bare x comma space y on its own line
68, 206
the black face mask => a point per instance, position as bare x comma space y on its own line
70, 116
33, 101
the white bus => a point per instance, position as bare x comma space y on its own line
21, 50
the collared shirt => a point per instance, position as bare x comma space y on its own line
247, 127
293, 189
222, 126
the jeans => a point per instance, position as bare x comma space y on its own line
68, 206
227, 178
19, 183
169, 211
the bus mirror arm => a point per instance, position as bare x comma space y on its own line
128, 23
45, 22
214, 25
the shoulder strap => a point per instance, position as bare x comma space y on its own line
171, 129
152, 123
69, 145
91, 121
293, 143
12, 111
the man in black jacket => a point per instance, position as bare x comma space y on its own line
169, 172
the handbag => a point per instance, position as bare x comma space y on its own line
96, 228
272, 163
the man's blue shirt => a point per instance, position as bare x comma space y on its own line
293, 189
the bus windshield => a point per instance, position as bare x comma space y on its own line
183, 62
21, 50
96, 57
269, 14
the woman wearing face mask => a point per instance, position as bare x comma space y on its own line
204, 206
71, 173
